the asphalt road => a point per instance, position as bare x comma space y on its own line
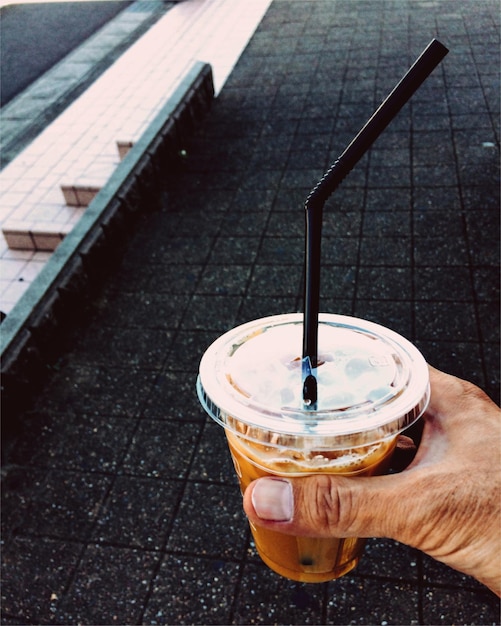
34, 37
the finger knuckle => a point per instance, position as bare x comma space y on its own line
328, 508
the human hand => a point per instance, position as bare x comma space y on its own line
446, 503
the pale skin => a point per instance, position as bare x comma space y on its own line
446, 503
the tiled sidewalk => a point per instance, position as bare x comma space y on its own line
26, 115
119, 501
45, 188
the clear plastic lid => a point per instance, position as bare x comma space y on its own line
372, 382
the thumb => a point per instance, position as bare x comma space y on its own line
324, 505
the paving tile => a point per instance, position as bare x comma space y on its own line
489, 326
148, 455
290, 224
268, 158
246, 219
176, 250
31, 270
445, 199
71, 441
282, 251
257, 192
35, 574
111, 582
343, 211
483, 606
276, 281
211, 312
386, 224
18, 237
65, 506
137, 512
389, 559
239, 250
455, 357
395, 315
19, 485
194, 530
128, 347
338, 281
224, 280
386, 199
385, 251
156, 278
195, 221
390, 176
440, 574
438, 223
188, 348
257, 306
430, 122
193, 603
339, 306
443, 283
440, 251
303, 178
118, 392
384, 283
339, 250
452, 321
91, 444
482, 224
264, 598
352, 599
482, 254
212, 460
12, 268
147, 310
12, 293
475, 198
173, 396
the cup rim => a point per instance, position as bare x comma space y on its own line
365, 424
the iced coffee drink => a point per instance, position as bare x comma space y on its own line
372, 384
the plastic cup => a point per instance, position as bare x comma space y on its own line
372, 384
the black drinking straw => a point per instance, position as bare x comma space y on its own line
413, 79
